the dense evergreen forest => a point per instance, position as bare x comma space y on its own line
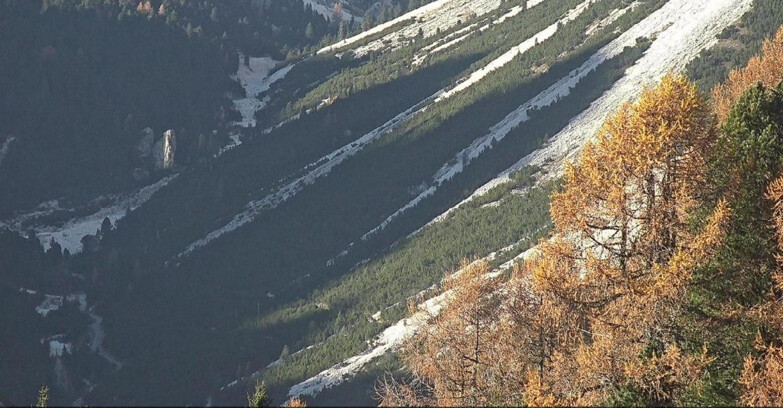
75, 106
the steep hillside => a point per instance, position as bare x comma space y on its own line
615, 308
346, 177
584, 124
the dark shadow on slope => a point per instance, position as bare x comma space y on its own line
217, 284
209, 196
220, 286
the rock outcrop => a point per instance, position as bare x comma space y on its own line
165, 150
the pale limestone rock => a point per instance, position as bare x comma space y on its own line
165, 150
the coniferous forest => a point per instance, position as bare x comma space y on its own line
354, 203
660, 283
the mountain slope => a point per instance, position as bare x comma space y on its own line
282, 256
670, 51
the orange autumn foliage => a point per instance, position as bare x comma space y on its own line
623, 253
576, 322
762, 377
296, 403
465, 359
766, 68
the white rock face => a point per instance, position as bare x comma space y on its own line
53, 303
169, 148
460, 35
256, 80
165, 150
522, 48
50, 303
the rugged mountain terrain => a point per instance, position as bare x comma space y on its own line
352, 167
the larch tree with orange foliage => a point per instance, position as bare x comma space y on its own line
481, 348
591, 311
457, 362
766, 68
296, 403
623, 251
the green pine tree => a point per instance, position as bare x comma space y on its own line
259, 397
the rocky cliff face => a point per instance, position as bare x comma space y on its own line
165, 150
157, 154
